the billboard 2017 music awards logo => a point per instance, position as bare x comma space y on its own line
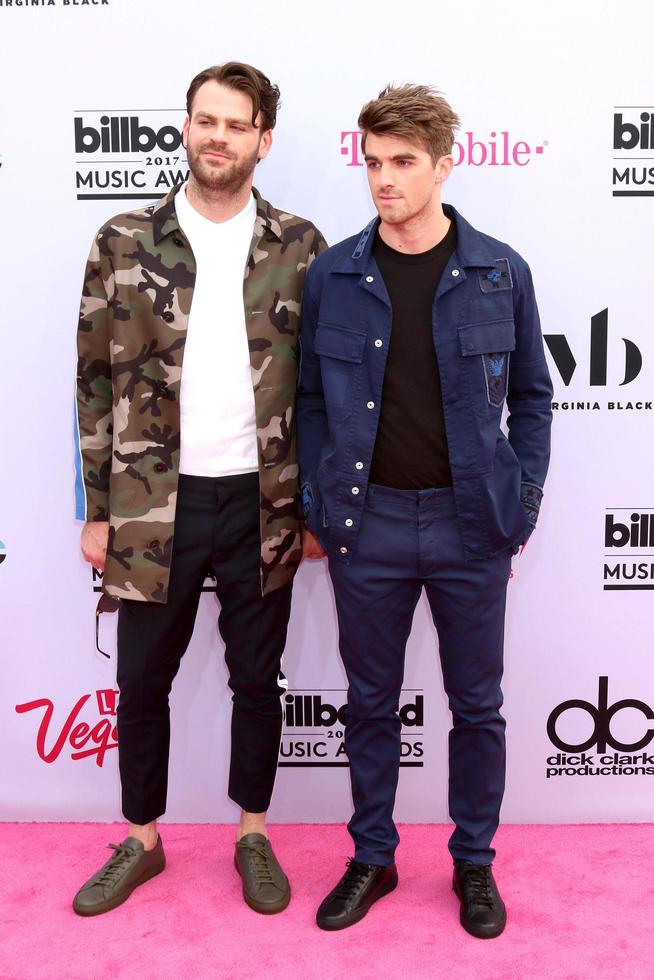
633, 138
314, 724
131, 154
628, 538
626, 759
89, 738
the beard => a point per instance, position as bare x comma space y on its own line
220, 175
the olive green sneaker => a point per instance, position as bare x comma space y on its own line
265, 886
112, 885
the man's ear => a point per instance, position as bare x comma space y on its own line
444, 166
265, 144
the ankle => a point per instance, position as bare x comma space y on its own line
146, 833
251, 823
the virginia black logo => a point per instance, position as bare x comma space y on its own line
566, 364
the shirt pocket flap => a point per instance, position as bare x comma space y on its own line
487, 338
344, 345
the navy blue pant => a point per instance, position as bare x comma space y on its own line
410, 539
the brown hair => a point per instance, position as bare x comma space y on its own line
416, 112
244, 78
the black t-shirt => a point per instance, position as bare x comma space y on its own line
411, 448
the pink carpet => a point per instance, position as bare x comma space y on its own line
580, 902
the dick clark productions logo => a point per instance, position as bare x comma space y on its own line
89, 730
573, 759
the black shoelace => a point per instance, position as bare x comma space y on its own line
352, 880
117, 865
477, 882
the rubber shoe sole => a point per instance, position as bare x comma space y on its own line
117, 900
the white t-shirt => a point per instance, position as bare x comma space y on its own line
218, 421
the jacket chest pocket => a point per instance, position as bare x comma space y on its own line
487, 346
341, 354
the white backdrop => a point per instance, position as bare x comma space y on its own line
538, 91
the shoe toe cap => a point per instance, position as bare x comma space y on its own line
89, 898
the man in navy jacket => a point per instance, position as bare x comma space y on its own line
414, 335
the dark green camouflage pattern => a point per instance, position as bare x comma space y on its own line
136, 299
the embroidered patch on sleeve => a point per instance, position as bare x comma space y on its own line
531, 497
498, 276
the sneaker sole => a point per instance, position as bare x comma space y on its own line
117, 900
359, 914
477, 931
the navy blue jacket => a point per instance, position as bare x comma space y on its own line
489, 346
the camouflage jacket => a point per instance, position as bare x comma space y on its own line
136, 299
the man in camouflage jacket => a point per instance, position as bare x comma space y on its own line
137, 295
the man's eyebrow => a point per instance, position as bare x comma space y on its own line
397, 156
212, 118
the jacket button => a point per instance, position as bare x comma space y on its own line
379, 343
371, 404
358, 466
355, 490
455, 273
153, 544
168, 316
349, 522
343, 551
370, 278
178, 241
159, 468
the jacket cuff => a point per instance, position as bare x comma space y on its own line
531, 497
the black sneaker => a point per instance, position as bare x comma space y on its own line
482, 910
358, 889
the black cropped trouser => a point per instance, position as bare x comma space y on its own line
216, 531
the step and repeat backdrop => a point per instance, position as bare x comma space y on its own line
556, 156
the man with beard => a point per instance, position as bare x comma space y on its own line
418, 331
187, 465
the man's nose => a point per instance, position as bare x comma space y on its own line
385, 177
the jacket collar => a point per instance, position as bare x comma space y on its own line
472, 248
164, 216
